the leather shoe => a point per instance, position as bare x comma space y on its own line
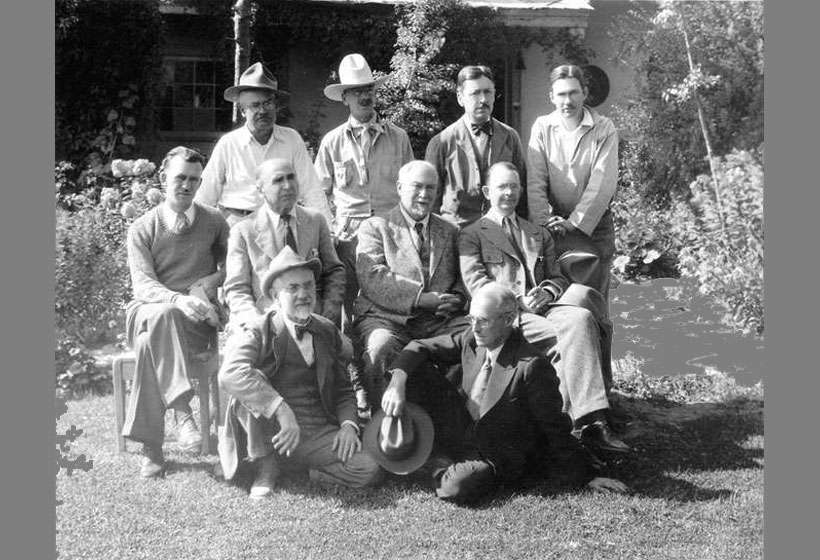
265, 481
598, 435
152, 464
188, 435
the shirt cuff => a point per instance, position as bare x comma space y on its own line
353, 424
270, 410
552, 288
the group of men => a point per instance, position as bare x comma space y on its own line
430, 268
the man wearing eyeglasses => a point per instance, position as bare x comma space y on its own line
228, 181
358, 162
463, 152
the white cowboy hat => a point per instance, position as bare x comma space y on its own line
353, 72
255, 77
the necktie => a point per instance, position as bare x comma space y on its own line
301, 329
485, 127
424, 253
290, 239
479, 387
509, 229
181, 223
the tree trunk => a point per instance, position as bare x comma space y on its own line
241, 32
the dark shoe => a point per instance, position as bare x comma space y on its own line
152, 464
598, 435
265, 481
188, 435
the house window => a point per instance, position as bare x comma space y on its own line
191, 99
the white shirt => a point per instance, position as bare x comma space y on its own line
279, 228
169, 216
411, 223
305, 345
229, 178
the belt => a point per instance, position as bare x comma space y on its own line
237, 211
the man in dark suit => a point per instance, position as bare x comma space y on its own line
464, 151
291, 399
278, 223
407, 266
508, 249
512, 406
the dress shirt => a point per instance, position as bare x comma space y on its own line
229, 178
580, 187
170, 216
280, 228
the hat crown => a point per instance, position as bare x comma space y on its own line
354, 70
257, 75
397, 438
287, 259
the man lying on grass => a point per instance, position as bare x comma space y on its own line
512, 420
291, 400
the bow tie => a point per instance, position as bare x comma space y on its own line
301, 329
485, 127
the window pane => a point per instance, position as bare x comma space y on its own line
183, 96
203, 120
205, 72
183, 119
204, 96
168, 71
184, 72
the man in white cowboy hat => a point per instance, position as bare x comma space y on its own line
358, 162
510, 421
291, 403
554, 313
464, 151
228, 181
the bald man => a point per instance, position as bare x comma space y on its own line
278, 223
407, 267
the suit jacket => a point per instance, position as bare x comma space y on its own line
250, 368
521, 411
251, 247
460, 199
389, 270
486, 254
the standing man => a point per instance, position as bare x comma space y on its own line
358, 162
277, 224
463, 152
291, 400
228, 181
502, 247
573, 173
407, 264
174, 250
510, 411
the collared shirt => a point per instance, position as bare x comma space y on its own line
279, 227
581, 186
411, 223
305, 345
362, 185
229, 179
480, 144
170, 217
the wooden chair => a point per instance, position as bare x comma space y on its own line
205, 386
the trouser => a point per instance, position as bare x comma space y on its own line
165, 343
574, 333
314, 452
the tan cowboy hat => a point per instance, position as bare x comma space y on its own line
285, 260
579, 266
353, 72
400, 444
255, 77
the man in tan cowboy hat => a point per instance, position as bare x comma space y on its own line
358, 162
291, 401
555, 314
464, 151
510, 421
228, 181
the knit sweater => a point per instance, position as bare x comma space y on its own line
163, 263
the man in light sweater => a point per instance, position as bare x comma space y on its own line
176, 254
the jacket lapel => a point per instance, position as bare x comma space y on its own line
279, 340
495, 235
400, 232
471, 368
531, 246
436, 244
502, 374
264, 233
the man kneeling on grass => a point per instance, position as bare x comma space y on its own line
291, 399
512, 420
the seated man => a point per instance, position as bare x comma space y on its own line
290, 398
511, 421
256, 240
175, 250
407, 267
508, 249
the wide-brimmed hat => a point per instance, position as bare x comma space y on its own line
354, 71
579, 266
285, 260
255, 77
400, 444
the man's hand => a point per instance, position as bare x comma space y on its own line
208, 283
603, 484
430, 300
536, 299
449, 305
346, 443
287, 438
559, 226
193, 307
393, 398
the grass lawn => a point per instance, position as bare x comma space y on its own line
696, 476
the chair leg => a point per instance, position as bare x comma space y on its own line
119, 400
204, 415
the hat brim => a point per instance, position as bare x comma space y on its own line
232, 93
314, 265
424, 434
578, 266
334, 91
